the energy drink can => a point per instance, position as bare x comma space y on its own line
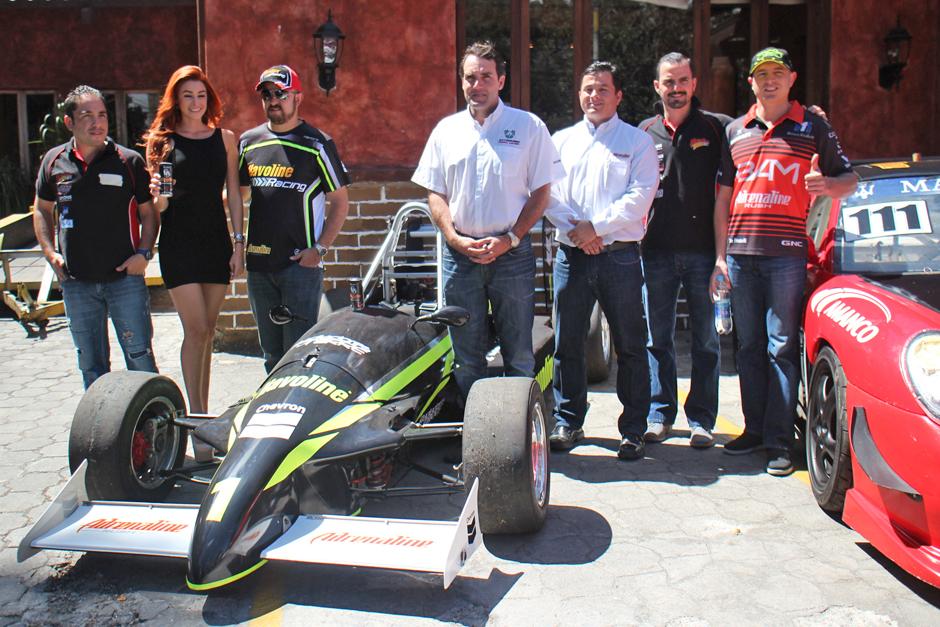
355, 294
166, 179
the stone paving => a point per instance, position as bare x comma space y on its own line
681, 538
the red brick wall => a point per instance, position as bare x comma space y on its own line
396, 78
119, 48
872, 122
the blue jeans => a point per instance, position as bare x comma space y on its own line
296, 286
508, 286
663, 272
616, 281
766, 301
88, 305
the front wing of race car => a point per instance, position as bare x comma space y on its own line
72, 522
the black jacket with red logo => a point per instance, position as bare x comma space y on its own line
98, 225
692, 160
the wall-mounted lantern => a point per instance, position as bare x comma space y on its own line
897, 52
328, 44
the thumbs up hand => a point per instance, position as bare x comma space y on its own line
815, 182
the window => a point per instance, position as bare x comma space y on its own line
21, 117
23, 114
141, 107
634, 35
890, 226
549, 42
38, 106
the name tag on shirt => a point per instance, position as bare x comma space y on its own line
66, 224
114, 180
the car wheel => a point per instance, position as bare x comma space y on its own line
123, 427
598, 350
827, 436
505, 446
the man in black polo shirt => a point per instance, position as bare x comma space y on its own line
93, 197
679, 247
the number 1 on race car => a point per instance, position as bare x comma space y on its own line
885, 219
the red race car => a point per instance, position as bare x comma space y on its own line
871, 376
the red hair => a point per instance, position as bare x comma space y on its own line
156, 139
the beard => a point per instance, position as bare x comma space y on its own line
677, 101
277, 116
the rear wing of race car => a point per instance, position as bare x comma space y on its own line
72, 522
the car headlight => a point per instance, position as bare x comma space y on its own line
922, 365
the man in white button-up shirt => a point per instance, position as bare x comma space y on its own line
600, 209
488, 170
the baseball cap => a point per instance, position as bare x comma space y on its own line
282, 76
771, 55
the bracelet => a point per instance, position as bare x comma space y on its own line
239, 238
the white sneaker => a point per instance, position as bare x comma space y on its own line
701, 438
657, 432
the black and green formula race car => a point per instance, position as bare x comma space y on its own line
332, 426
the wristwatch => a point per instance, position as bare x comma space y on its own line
513, 240
146, 252
238, 238
321, 250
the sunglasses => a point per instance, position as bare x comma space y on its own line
267, 94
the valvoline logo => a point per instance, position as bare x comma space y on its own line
841, 305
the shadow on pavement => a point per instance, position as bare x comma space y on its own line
673, 461
469, 601
571, 535
921, 588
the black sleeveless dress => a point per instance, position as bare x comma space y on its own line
195, 246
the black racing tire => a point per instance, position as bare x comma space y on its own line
123, 427
505, 446
598, 350
828, 457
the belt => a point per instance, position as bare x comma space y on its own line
609, 248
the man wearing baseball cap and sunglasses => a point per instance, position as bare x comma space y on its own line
298, 205
782, 155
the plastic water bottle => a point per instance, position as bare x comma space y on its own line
722, 298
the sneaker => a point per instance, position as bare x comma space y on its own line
631, 447
564, 437
657, 432
744, 444
701, 438
778, 462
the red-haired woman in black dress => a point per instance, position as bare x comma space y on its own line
197, 258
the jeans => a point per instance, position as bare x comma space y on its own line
88, 305
766, 301
296, 286
663, 272
616, 281
508, 286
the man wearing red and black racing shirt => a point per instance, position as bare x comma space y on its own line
782, 155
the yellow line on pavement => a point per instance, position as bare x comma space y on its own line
726, 427
274, 618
